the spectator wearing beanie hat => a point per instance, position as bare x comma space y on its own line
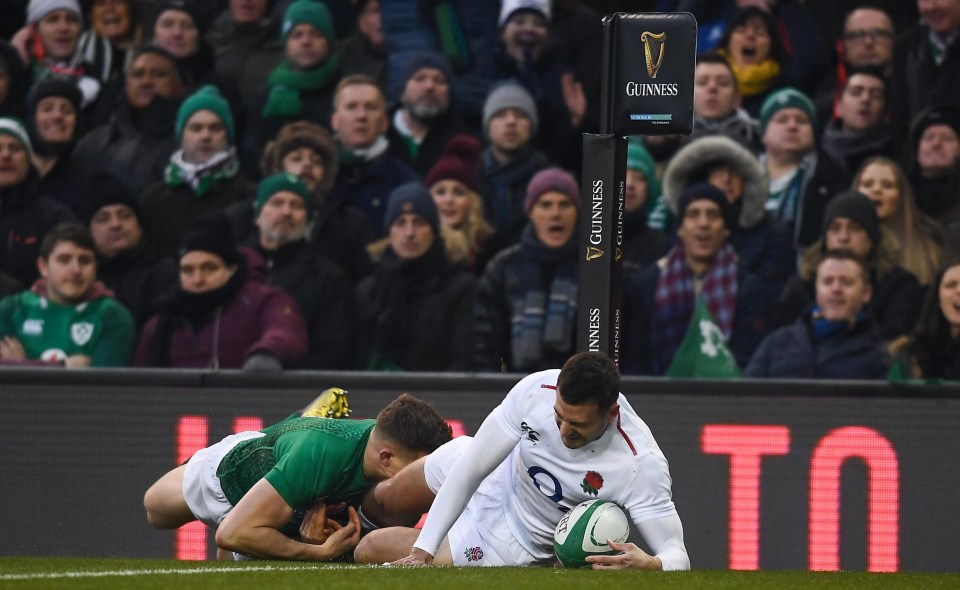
527, 297
415, 309
933, 164
851, 223
642, 244
282, 212
26, 213
301, 87
202, 176
802, 177
425, 119
50, 44
527, 52
220, 317
661, 298
126, 261
453, 184
510, 122
175, 25
53, 122
339, 231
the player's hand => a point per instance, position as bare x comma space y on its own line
314, 528
11, 349
417, 558
632, 557
344, 538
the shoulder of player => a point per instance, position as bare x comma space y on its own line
537, 383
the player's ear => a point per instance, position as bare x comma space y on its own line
386, 456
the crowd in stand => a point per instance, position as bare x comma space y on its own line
393, 185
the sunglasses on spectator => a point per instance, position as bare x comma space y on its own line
862, 35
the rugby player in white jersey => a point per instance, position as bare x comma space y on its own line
558, 438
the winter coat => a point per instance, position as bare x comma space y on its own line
137, 277
760, 240
134, 146
640, 288
367, 186
894, 304
161, 200
503, 187
323, 294
425, 324
258, 318
25, 217
433, 144
793, 352
918, 82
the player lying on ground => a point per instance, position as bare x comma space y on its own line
251, 486
557, 439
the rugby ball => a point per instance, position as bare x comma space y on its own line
584, 531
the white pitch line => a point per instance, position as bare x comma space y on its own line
153, 572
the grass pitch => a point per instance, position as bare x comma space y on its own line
142, 574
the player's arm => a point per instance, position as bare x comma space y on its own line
252, 528
489, 448
401, 499
663, 535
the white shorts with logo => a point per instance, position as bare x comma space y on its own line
480, 536
201, 486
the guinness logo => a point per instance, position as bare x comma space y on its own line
593, 253
619, 255
653, 43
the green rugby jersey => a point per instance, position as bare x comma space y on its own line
101, 329
304, 459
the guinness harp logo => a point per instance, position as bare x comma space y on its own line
593, 253
619, 255
653, 43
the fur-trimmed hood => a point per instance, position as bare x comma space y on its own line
692, 157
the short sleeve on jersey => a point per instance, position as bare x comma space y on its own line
307, 468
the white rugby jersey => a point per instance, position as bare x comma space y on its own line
544, 477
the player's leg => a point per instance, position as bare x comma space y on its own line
391, 544
164, 502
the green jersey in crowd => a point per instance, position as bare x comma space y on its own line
99, 328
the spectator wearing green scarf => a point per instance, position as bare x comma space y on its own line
302, 86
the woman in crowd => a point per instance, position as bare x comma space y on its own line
933, 351
113, 34
753, 46
917, 237
454, 186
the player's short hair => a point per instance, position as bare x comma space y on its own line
589, 377
69, 231
715, 57
413, 424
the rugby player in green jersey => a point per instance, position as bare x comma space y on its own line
254, 487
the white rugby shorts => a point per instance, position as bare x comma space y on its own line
201, 486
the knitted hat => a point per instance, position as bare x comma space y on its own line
428, 59
15, 129
104, 190
284, 181
510, 6
510, 95
638, 158
207, 98
704, 190
211, 232
551, 179
944, 114
459, 161
856, 207
411, 197
181, 5
786, 98
308, 12
37, 9
55, 87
